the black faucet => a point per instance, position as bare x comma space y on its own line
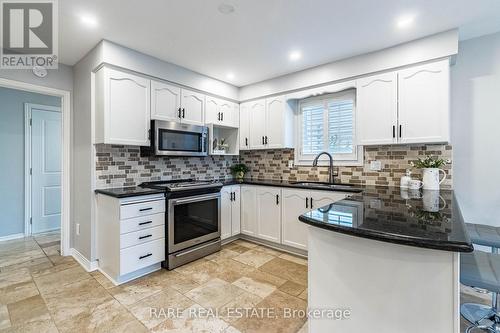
330, 167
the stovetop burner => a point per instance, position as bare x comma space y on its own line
181, 184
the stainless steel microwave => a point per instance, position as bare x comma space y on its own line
169, 138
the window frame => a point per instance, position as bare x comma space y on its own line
353, 159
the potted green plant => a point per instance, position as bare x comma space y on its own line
239, 170
431, 167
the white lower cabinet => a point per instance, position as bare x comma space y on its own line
130, 236
269, 213
249, 210
230, 211
296, 203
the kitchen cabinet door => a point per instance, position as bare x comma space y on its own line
245, 126
323, 198
226, 111
275, 109
424, 103
294, 232
212, 110
377, 109
269, 213
248, 210
165, 101
193, 107
257, 111
226, 213
235, 211
122, 108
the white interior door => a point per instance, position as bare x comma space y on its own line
46, 141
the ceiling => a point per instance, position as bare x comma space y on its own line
254, 42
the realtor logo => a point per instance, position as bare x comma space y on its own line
29, 34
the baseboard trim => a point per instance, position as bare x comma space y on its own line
11, 237
89, 266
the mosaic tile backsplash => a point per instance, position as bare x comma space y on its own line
120, 166
395, 159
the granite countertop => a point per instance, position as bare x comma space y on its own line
426, 219
125, 192
294, 184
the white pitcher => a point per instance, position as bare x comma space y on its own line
431, 180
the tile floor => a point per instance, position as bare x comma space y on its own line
40, 291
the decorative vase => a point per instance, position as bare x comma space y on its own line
239, 175
430, 177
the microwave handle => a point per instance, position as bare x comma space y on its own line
203, 142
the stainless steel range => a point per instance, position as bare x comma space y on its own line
192, 219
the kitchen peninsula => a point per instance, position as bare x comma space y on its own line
389, 256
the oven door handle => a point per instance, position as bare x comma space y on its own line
195, 249
195, 199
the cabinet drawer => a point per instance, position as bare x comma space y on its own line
142, 208
140, 223
142, 236
140, 256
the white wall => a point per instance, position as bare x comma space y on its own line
441, 45
61, 78
475, 109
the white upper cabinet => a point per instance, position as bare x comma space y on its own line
221, 112
377, 109
245, 126
424, 103
165, 101
275, 118
122, 108
406, 106
192, 107
269, 213
258, 119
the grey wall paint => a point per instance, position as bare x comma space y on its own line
433, 47
61, 78
475, 110
12, 152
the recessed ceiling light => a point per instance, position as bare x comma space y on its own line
89, 21
405, 21
226, 8
295, 55
230, 76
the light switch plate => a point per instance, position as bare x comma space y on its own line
290, 164
375, 165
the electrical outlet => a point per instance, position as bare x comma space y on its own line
77, 229
290, 164
375, 165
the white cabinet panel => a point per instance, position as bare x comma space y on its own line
275, 109
122, 107
294, 232
235, 211
424, 103
226, 213
249, 210
212, 110
257, 111
165, 101
140, 256
221, 112
140, 209
142, 222
377, 109
193, 107
142, 236
269, 213
245, 119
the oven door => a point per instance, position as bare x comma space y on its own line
193, 220
176, 139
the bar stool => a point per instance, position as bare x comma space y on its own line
482, 270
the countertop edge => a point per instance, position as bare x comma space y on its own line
391, 238
108, 192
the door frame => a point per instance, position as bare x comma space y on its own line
27, 161
65, 96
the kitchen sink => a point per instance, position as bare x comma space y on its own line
321, 185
